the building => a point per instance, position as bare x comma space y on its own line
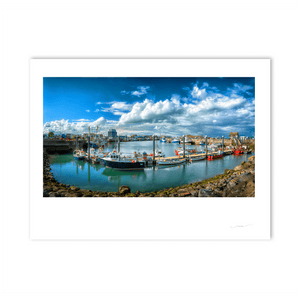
234, 135
112, 133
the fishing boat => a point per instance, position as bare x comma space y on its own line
163, 140
238, 151
97, 158
180, 152
159, 153
117, 162
170, 162
192, 159
187, 141
175, 141
79, 155
201, 143
212, 156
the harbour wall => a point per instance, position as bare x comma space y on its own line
62, 146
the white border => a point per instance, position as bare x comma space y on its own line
151, 218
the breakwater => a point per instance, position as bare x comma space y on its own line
239, 182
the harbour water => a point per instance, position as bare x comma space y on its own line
99, 178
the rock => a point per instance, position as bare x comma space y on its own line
124, 189
74, 188
194, 193
48, 189
203, 193
232, 183
238, 168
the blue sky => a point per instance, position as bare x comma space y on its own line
174, 106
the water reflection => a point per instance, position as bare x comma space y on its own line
79, 164
112, 172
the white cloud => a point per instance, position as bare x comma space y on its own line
121, 105
239, 88
99, 103
141, 90
64, 126
124, 92
197, 93
148, 110
87, 110
118, 108
81, 120
97, 110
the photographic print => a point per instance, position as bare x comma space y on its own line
149, 149
149, 136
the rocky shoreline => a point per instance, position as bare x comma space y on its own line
239, 182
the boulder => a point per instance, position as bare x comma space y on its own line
238, 168
194, 193
124, 189
204, 193
74, 188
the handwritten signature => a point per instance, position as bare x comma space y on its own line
238, 226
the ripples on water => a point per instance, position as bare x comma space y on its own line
96, 177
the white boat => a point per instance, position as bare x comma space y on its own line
163, 140
159, 153
187, 141
79, 154
197, 158
170, 162
98, 158
180, 152
175, 141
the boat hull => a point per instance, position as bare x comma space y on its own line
238, 152
212, 157
170, 163
122, 165
79, 158
197, 158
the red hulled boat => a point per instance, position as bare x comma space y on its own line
238, 151
214, 156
